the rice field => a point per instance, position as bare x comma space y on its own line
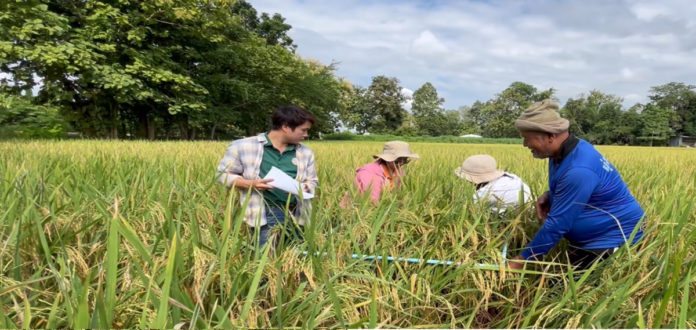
111, 234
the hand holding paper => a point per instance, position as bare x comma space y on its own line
284, 182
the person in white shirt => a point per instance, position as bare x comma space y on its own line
499, 188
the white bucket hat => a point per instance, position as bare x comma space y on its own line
395, 149
479, 169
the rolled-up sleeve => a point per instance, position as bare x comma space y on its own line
311, 180
230, 167
570, 197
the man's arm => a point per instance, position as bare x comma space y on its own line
260, 184
310, 182
231, 168
543, 206
572, 193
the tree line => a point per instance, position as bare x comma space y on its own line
595, 116
216, 69
151, 69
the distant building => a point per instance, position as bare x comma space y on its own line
682, 140
475, 136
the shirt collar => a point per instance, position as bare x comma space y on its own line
566, 148
268, 143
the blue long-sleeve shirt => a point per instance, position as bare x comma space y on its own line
590, 204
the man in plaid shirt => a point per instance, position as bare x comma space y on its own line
248, 160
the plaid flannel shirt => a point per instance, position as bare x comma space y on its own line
243, 160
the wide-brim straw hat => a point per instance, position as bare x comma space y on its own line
395, 149
479, 169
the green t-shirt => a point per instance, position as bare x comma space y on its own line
273, 157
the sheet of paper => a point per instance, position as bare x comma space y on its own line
284, 182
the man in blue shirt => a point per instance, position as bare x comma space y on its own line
588, 202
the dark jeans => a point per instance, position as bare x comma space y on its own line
583, 259
275, 217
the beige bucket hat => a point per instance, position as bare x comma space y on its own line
542, 117
479, 169
395, 149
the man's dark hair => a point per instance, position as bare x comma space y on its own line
291, 116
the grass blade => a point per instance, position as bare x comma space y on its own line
161, 318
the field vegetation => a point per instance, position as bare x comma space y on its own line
138, 234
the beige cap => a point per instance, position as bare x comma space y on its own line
542, 117
394, 150
479, 169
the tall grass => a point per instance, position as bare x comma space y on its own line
138, 234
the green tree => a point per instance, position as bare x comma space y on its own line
93, 58
427, 110
20, 118
628, 128
578, 117
655, 128
452, 123
499, 114
472, 119
162, 68
594, 117
681, 99
408, 127
608, 109
359, 114
272, 28
384, 98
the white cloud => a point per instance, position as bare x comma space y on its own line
648, 11
539, 23
635, 98
408, 93
471, 50
409, 98
428, 45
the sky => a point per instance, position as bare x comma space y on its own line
472, 50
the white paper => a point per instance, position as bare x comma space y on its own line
285, 183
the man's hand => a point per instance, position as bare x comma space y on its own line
260, 184
543, 206
516, 263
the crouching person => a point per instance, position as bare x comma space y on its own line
386, 172
500, 189
587, 202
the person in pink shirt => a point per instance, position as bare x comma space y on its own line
386, 171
